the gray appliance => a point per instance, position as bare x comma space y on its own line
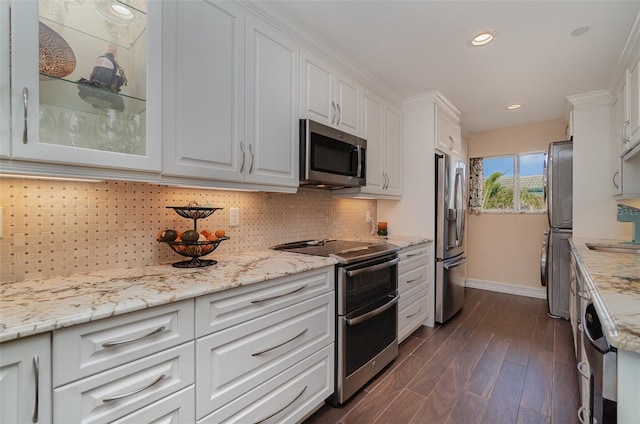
558, 191
450, 272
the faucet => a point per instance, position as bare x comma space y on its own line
628, 213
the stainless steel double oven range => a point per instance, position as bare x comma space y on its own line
366, 307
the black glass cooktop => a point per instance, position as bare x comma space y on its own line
346, 251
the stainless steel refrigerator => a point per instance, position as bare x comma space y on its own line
558, 191
450, 216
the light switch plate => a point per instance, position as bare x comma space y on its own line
234, 217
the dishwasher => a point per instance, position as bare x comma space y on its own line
602, 362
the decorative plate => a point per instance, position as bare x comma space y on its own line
56, 57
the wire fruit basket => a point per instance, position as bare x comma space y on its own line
194, 249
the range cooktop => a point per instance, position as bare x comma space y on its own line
345, 251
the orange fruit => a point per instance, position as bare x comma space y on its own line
212, 237
206, 232
219, 233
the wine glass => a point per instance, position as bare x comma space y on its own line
47, 124
109, 130
134, 134
73, 128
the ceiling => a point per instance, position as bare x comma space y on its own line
417, 46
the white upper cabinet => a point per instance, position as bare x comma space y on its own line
373, 132
329, 96
86, 84
393, 151
203, 123
272, 107
634, 105
231, 102
448, 133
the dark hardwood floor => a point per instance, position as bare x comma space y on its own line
502, 359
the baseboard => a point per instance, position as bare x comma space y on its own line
539, 293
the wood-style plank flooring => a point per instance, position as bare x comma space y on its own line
502, 359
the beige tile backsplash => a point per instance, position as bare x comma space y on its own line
57, 228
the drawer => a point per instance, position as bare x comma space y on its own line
113, 394
289, 397
177, 408
235, 360
414, 256
412, 312
87, 349
412, 281
222, 310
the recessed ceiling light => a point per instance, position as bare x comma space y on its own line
514, 106
579, 31
482, 39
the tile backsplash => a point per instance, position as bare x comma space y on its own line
57, 228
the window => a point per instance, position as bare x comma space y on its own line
508, 183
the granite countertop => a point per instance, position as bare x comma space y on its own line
613, 280
37, 306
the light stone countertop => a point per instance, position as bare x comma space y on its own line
37, 306
613, 280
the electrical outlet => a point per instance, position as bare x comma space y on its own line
368, 216
234, 217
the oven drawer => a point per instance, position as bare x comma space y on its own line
289, 397
412, 281
105, 397
235, 360
86, 349
412, 312
222, 310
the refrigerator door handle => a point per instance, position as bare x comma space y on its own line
543, 263
449, 265
459, 197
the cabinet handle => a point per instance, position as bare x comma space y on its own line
243, 155
580, 328
281, 344
583, 295
413, 315
339, 114
614, 180
581, 411
265, 299
453, 143
333, 112
251, 151
415, 279
36, 404
285, 407
124, 395
623, 135
581, 369
135, 339
25, 101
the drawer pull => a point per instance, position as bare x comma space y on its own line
411, 255
280, 295
124, 395
415, 279
413, 315
282, 409
36, 404
584, 295
135, 339
281, 344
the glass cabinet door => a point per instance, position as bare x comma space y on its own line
79, 82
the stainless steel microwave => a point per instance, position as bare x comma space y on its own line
330, 158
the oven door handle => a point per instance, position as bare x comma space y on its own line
372, 268
364, 317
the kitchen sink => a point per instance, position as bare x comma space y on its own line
614, 248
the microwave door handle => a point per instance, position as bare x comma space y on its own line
359, 170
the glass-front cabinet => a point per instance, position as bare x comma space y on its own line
86, 83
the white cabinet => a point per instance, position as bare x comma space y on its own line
25, 380
266, 349
231, 100
382, 128
328, 95
634, 106
59, 116
113, 367
413, 287
619, 120
448, 138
